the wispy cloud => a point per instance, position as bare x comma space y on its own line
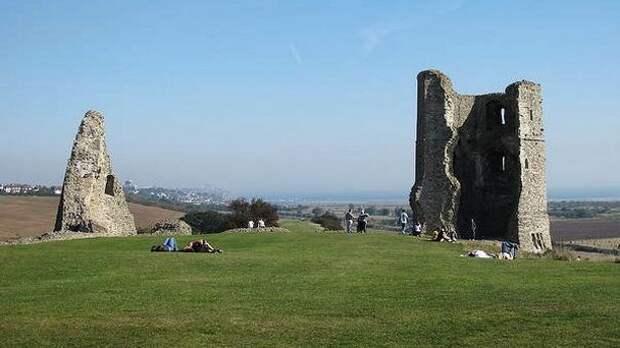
294, 53
373, 35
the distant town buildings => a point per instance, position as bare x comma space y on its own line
16, 189
29, 190
193, 196
181, 195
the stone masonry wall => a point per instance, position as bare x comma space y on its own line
436, 136
533, 220
481, 159
92, 197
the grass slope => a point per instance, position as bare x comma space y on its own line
300, 288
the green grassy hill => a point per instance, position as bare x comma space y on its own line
299, 288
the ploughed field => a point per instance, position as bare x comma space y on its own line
594, 228
303, 287
31, 216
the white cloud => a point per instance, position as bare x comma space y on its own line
294, 53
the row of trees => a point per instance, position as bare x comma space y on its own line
239, 213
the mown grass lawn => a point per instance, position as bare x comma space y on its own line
300, 288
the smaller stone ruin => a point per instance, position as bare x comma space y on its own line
92, 199
170, 227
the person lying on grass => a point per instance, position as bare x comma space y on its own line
201, 246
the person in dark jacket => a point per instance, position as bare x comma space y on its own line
362, 222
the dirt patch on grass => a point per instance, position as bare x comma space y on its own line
31, 216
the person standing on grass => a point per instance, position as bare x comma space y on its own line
403, 219
348, 218
362, 222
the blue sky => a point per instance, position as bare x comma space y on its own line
294, 96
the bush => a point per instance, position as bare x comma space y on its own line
328, 221
209, 222
244, 211
318, 211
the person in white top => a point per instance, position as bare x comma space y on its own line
404, 218
418, 228
250, 224
261, 223
348, 218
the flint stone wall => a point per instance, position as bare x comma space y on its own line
171, 227
480, 163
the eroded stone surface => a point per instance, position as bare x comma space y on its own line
481, 159
170, 227
92, 198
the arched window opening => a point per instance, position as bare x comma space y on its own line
531, 115
503, 163
109, 185
497, 115
527, 164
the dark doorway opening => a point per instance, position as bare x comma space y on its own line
109, 185
488, 193
487, 168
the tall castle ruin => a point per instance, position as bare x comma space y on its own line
480, 163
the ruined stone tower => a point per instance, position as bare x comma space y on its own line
92, 197
480, 163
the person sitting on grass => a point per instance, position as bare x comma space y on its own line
261, 223
417, 229
446, 236
201, 246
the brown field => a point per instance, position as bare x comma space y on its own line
31, 216
573, 229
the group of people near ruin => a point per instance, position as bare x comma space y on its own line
362, 221
259, 224
403, 221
